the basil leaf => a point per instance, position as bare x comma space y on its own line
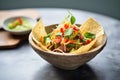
68, 32
72, 19
89, 35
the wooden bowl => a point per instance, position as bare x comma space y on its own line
68, 61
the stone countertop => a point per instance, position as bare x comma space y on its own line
22, 63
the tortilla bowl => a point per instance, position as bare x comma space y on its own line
67, 61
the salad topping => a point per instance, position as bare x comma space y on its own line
67, 37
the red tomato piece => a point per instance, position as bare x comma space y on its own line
88, 41
75, 28
61, 30
66, 26
19, 21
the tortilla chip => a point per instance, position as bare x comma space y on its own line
37, 32
93, 27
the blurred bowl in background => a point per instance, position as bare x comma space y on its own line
31, 21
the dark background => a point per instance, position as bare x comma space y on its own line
107, 7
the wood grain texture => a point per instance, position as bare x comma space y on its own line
8, 40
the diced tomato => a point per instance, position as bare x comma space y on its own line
88, 41
58, 39
75, 28
81, 37
72, 41
19, 21
66, 26
61, 30
66, 39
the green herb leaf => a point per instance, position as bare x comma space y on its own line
68, 32
72, 19
89, 35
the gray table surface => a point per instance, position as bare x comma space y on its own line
22, 63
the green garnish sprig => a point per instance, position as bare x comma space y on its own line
70, 18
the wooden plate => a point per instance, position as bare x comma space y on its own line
8, 40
